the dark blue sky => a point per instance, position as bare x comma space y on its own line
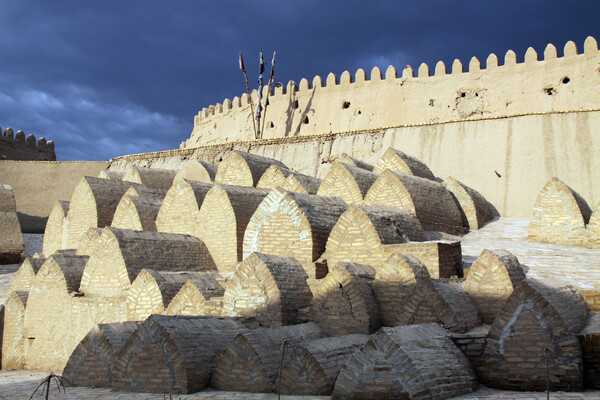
106, 78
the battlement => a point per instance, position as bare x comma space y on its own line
536, 84
18, 146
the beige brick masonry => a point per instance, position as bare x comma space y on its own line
475, 209
200, 295
429, 200
55, 234
108, 174
252, 361
443, 259
243, 169
397, 161
267, 291
301, 183
346, 159
198, 170
138, 212
409, 362
173, 354
13, 340
26, 274
88, 241
289, 224
179, 210
491, 280
150, 177
347, 182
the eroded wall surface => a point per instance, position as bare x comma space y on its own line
38, 184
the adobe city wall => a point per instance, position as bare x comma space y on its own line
507, 159
538, 84
38, 184
17, 146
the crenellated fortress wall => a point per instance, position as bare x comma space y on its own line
18, 146
535, 84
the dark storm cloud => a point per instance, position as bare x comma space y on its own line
106, 78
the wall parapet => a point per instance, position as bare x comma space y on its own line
534, 84
19, 146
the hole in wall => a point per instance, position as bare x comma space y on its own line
549, 90
476, 94
271, 125
463, 94
431, 102
345, 104
295, 104
305, 120
358, 112
566, 80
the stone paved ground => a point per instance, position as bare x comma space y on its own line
549, 262
18, 385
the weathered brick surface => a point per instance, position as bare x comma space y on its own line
589, 339
536, 317
108, 174
138, 212
475, 209
348, 182
12, 246
173, 354
150, 177
47, 321
7, 199
396, 280
361, 231
443, 259
251, 362
472, 343
344, 303
243, 169
179, 210
409, 362
559, 216
593, 228
301, 183
91, 363
491, 280
13, 340
397, 161
26, 274
93, 205
273, 176
267, 291
200, 295
290, 224
198, 170
120, 254
88, 241
429, 200
151, 292
311, 367
222, 221
55, 234
346, 159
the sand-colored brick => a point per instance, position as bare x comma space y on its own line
346, 159
7, 199
93, 205
138, 212
108, 174
290, 224
201, 294
150, 177
120, 254
361, 232
12, 246
559, 215
312, 367
272, 177
26, 274
347, 182
344, 303
301, 183
173, 354
88, 240
91, 363
151, 292
534, 317
222, 221
243, 169
408, 362
491, 280
55, 234
198, 170
398, 161
475, 209
267, 291
593, 228
443, 258
429, 200
47, 322
179, 210
251, 362
13, 340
